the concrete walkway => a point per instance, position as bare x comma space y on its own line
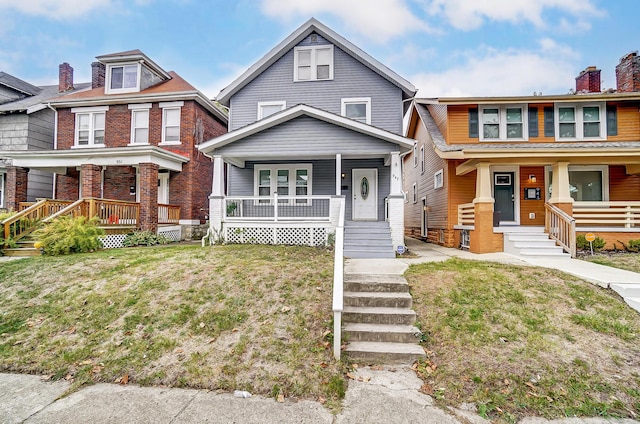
390, 395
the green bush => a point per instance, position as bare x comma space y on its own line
631, 246
144, 238
582, 243
65, 235
5, 215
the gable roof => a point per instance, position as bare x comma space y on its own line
18, 85
311, 26
304, 110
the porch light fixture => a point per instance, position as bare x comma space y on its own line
343, 175
532, 178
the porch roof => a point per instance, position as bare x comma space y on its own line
299, 137
58, 160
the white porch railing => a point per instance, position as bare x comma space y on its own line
607, 214
561, 227
277, 208
466, 214
338, 283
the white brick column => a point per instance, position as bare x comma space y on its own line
216, 205
395, 203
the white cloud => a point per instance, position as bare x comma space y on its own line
379, 21
57, 9
471, 14
503, 73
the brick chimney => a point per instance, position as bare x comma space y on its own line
98, 71
628, 73
588, 81
65, 77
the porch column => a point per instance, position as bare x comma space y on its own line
216, 200
482, 238
148, 197
395, 202
560, 193
91, 180
16, 187
338, 174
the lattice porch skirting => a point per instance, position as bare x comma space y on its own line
288, 234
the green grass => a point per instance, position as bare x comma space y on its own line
628, 261
221, 318
525, 341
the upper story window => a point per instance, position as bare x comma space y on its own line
438, 179
313, 63
171, 122
269, 108
140, 123
90, 123
358, 109
503, 123
123, 78
580, 122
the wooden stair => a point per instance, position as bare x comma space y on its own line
24, 248
378, 320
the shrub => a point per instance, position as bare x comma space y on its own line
5, 215
582, 243
65, 235
631, 246
144, 238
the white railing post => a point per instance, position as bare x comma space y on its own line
338, 284
275, 206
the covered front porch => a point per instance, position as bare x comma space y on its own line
566, 197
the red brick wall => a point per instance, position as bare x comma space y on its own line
628, 73
588, 80
117, 183
67, 186
148, 196
16, 187
91, 176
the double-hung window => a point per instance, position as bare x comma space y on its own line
313, 63
123, 78
285, 180
90, 123
580, 122
503, 123
140, 123
358, 109
171, 122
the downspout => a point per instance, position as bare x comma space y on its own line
55, 146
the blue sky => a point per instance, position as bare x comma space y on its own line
444, 47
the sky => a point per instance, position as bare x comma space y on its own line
446, 48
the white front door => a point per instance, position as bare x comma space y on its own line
365, 195
163, 188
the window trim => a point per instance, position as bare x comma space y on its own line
579, 121
502, 122
356, 100
136, 108
108, 72
415, 192
422, 167
165, 106
91, 111
273, 169
313, 71
438, 179
281, 103
415, 154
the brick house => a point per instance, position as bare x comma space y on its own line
26, 123
132, 137
525, 174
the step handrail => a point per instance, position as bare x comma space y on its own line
66, 211
561, 228
24, 222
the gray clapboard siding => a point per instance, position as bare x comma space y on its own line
14, 130
40, 134
351, 79
241, 180
40, 185
306, 136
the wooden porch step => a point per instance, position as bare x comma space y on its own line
22, 252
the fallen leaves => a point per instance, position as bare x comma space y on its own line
124, 380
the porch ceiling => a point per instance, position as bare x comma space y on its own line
58, 160
630, 157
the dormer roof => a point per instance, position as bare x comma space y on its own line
17, 84
134, 56
309, 27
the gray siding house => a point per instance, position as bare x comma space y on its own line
27, 123
315, 136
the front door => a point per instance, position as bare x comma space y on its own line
365, 195
503, 193
163, 188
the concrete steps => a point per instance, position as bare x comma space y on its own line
367, 240
378, 322
533, 243
630, 293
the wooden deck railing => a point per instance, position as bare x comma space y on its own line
607, 214
278, 208
561, 227
466, 214
24, 222
109, 212
168, 214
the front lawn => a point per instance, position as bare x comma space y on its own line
525, 341
255, 318
622, 260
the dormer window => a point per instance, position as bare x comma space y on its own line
313, 63
123, 78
